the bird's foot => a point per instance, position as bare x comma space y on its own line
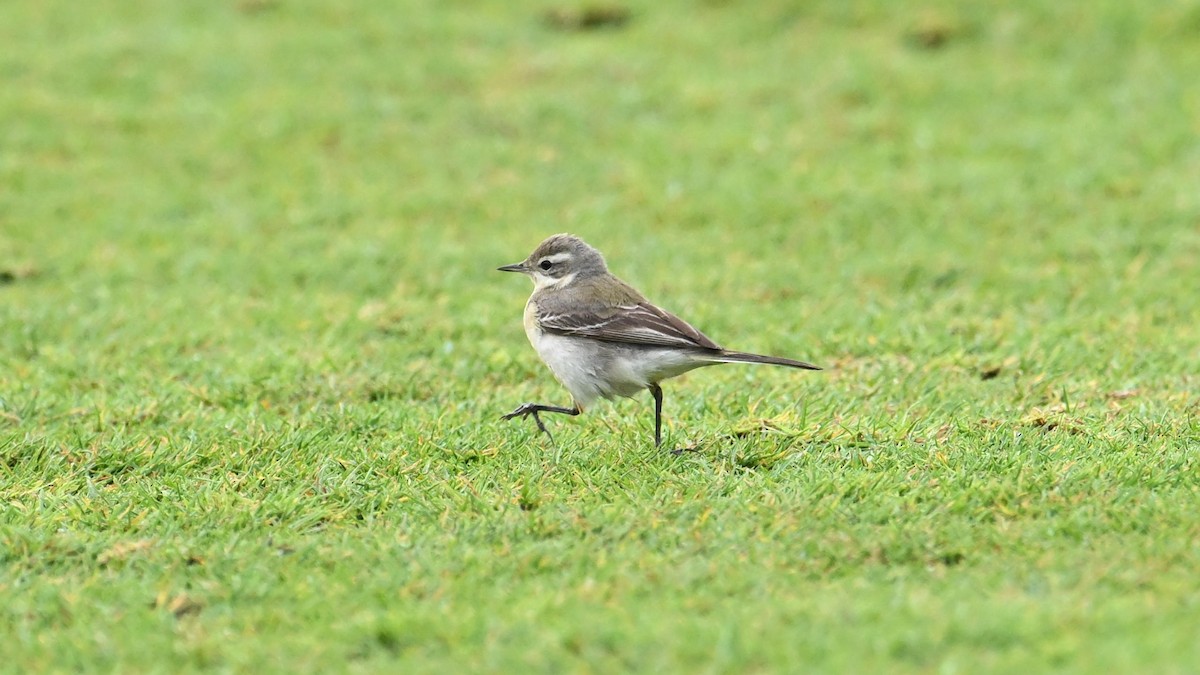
521, 411
529, 409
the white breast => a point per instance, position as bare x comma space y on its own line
592, 369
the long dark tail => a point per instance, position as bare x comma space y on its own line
726, 356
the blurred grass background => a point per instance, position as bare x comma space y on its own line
253, 347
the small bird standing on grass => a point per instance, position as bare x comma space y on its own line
601, 338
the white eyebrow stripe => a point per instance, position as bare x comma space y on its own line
558, 257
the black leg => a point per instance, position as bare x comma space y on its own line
535, 408
656, 392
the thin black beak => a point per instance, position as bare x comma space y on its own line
515, 267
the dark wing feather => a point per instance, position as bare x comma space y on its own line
640, 324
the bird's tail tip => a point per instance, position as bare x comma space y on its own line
747, 357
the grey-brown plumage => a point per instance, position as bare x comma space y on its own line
601, 338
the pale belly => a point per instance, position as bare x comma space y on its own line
592, 369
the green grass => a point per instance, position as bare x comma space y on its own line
253, 349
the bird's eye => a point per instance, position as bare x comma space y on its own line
545, 264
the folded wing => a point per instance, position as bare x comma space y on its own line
639, 324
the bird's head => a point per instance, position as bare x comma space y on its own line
559, 261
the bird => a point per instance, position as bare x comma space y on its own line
601, 338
